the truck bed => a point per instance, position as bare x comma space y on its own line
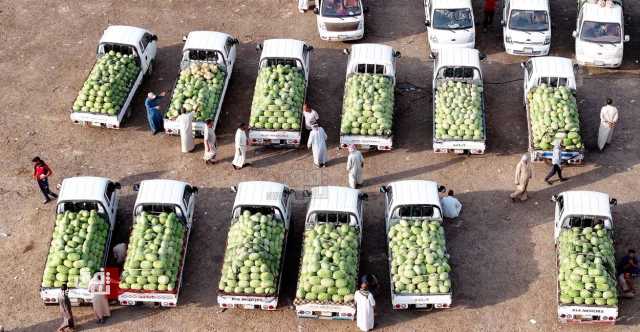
570, 157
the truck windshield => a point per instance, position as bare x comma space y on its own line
341, 8
159, 208
452, 19
265, 210
81, 205
333, 217
601, 32
118, 48
416, 211
529, 20
587, 221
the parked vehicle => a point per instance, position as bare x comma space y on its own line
154, 266
326, 285
368, 102
110, 86
340, 21
450, 23
526, 27
80, 199
587, 284
266, 205
557, 74
599, 33
458, 102
280, 92
413, 207
205, 70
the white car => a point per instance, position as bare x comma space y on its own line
600, 34
526, 27
340, 21
450, 23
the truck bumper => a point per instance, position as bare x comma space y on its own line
342, 35
527, 49
436, 47
603, 63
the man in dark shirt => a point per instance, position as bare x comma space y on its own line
629, 263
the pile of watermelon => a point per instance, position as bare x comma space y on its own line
154, 253
198, 90
368, 105
77, 249
554, 117
108, 85
278, 98
459, 111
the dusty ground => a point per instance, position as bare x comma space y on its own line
502, 253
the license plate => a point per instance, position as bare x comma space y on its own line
326, 314
248, 306
528, 50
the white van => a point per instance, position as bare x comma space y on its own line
599, 33
340, 20
526, 27
449, 24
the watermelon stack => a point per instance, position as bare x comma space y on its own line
278, 98
154, 253
198, 90
554, 117
368, 105
458, 107
77, 249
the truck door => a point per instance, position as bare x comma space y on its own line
231, 54
528, 71
147, 48
305, 61
188, 201
558, 215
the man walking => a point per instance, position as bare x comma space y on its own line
489, 12
154, 116
68, 323
523, 174
209, 144
241, 147
556, 161
41, 173
355, 164
318, 144
608, 121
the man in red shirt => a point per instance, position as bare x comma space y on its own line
489, 11
41, 173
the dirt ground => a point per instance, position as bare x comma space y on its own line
502, 253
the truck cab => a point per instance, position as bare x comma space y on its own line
526, 27
449, 23
340, 20
86, 193
163, 196
582, 209
268, 198
130, 40
599, 33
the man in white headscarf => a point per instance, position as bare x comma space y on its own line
523, 174
355, 164
318, 144
99, 301
608, 121
365, 304
241, 147
303, 5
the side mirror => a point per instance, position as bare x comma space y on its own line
184, 38
503, 23
482, 56
432, 56
574, 34
427, 24
346, 51
522, 65
613, 202
365, 9
554, 198
442, 189
627, 38
306, 194
397, 54
364, 196
117, 185
194, 190
236, 41
309, 48
258, 47
136, 187
383, 189
316, 11
575, 67
154, 38
234, 189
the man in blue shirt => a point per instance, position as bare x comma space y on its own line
154, 115
629, 263
556, 162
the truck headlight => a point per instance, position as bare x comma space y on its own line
433, 38
547, 40
508, 40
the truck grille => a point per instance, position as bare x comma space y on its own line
337, 27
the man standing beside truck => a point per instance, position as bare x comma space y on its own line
241, 147
154, 116
355, 164
318, 145
209, 143
608, 121
365, 304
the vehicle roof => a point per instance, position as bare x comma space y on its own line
530, 4
413, 192
552, 66
206, 40
161, 192
282, 48
122, 34
596, 13
259, 193
590, 203
456, 57
333, 198
83, 188
451, 4
372, 53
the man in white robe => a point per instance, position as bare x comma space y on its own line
318, 144
241, 147
451, 206
355, 164
365, 304
608, 121
120, 253
303, 5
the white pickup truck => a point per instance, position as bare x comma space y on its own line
526, 27
405, 201
453, 67
280, 93
334, 219
586, 264
116, 39
551, 72
266, 199
599, 33
449, 24
89, 194
163, 200
206, 57
369, 63
340, 20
